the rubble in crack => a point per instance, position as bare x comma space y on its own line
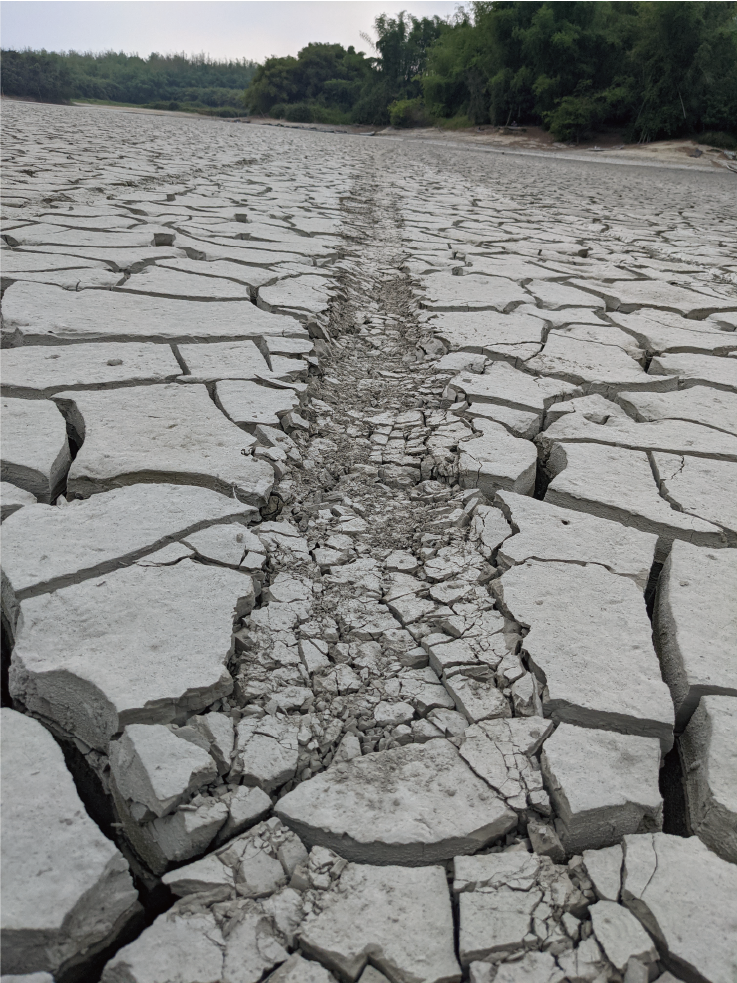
251, 901
368, 545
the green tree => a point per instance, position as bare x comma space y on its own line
403, 44
196, 80
328, 74
683, 69
332, 77
37, 74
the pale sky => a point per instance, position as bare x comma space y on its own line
221, 28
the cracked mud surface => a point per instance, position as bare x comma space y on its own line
369, 539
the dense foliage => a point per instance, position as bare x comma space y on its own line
186, 82
649, 69
654, 69
333, 84
37, 74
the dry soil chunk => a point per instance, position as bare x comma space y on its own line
445, 292
246, 807
558, 296
66, 888
45, 548
497, 896
36, 371
533, 967
630, 295
35, 450
161, 282
251, 276
604, 868
695, 625
168, 433
477, 699
618, 484
700, 487
700, 404
671, 436
603, 785
207, 875
169, 628
489, 748
691, 370
510, 387
684, 896
300, 296
480, 331
297, 969
13, 498
225, 543
496, 459
518, 422
152, 766
399, 917
27, 262
27, 978
620, 935
40, 314
504, 902
709, 754
602, 334
174, 948
547, 532
663, 332
266, 753
223, 360
249, 405
416, 804
602, 368
179, 836
590, 641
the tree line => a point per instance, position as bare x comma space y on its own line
652, 70
649, 69
177, 81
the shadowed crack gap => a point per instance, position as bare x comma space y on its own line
154, 896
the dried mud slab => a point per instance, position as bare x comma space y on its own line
101, 534
35, 450
416, 805
66, 888
172, 661
160, 434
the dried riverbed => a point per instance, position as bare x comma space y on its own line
368, 541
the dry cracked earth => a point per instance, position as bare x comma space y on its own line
369, 560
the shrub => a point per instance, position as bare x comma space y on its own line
716, 138
330, 116
224, 112
299, 112
454, 123
575, 118
408, 112
279, 111
372, 108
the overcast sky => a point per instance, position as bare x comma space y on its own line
221, 28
